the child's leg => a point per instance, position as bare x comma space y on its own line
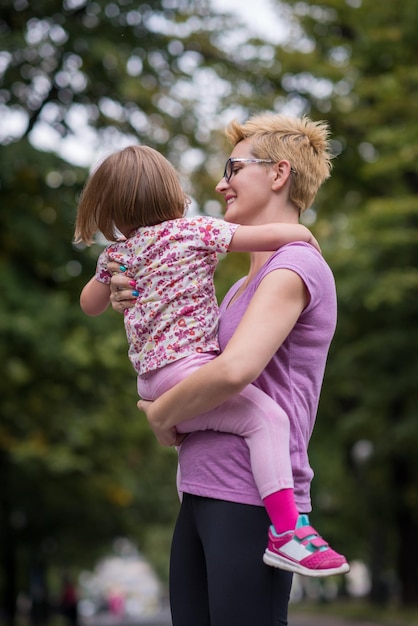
293, 544
252, 414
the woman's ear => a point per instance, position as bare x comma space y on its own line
282, 171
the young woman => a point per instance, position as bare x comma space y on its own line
275, 329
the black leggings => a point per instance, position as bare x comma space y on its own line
217, 575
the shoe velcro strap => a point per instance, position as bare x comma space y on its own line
309, 534
305, 531
318, 542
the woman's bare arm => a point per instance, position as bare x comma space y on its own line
271, 315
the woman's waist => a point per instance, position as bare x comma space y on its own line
217, 465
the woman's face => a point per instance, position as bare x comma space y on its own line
248, 191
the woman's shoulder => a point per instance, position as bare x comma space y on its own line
300, 256
308, 263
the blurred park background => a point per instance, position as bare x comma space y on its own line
81, 477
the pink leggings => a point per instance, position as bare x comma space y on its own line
252, 414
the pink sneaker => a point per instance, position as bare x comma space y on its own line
303, 551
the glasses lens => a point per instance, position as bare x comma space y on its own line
228, 170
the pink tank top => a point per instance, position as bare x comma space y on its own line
217, 465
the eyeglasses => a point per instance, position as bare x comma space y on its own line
229, 165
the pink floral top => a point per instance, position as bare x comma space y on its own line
176, 312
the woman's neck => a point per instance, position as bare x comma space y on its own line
285, 213
257, 260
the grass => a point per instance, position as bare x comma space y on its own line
360, 611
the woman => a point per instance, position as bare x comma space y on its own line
172, 329
275, 329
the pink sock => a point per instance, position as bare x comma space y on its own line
282, 510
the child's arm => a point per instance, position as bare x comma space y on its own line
95, 297
270, 237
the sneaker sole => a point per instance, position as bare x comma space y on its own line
275, 560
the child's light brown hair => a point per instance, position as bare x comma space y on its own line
133, 187
302, 142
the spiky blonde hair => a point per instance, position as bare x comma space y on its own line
299, 140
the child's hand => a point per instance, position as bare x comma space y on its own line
309, 238
314, 243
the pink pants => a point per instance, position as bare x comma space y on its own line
252, 414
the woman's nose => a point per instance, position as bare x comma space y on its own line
221, 186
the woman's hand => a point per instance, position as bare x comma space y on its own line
166, 437
122, 288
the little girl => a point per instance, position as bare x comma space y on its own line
172, 329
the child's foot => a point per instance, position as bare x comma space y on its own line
303, 551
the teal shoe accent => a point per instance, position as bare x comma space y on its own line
303, 520
273, 531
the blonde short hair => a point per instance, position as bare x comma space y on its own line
302, 142
133, 187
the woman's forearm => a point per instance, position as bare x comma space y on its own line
243, 359
208, 387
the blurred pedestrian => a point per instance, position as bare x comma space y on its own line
69, 600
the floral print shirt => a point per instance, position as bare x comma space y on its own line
172, 263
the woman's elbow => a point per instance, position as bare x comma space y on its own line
236, 373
